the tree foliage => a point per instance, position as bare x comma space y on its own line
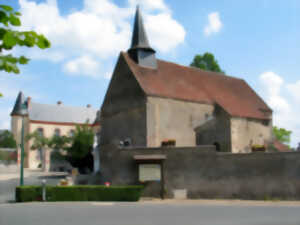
81, 142
207, 62
10, 37
77, 148
7, 140
282, 135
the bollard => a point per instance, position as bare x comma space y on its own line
44, 189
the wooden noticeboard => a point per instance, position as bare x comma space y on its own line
151, 168
149, 172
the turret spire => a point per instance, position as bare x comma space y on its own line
140, 50
20, 108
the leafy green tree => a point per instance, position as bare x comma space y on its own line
282, 135
207, 62
81, 142
39, 141
10, 38
7, 140
76, 149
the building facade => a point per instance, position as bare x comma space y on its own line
150, 102
48, 120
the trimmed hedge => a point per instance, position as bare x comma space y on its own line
79, 193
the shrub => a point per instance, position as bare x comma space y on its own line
8, 156
79, 193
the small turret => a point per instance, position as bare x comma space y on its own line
20, 108
140, 50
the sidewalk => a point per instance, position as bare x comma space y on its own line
27, 173
9, 181
222, 202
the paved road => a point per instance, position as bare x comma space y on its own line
9, 181
145, 213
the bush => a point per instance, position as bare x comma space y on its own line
79, 193
8, 156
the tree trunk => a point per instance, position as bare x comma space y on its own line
46, 160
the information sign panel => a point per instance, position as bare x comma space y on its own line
149, 172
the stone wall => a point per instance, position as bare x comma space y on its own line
174, 119
205, 173
216, 131
248, 132
123, 113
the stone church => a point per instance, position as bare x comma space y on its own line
150, 102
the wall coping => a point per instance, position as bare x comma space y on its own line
7, 149
202, 147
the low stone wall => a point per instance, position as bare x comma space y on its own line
205, 173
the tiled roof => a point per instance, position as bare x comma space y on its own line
280, 146
61, 113
171, 80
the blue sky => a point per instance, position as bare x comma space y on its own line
257, 40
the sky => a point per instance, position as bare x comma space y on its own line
255, 40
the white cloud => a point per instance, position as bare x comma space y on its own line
294, 90
47, 54
285, 109
149, 4
168, 32
214, 24
5, 117
101, 29
84, 65
107, 75
273, 84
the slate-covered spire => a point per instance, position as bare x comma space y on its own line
140, 50
20, 108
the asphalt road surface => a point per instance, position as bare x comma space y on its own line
9, 181
149, 213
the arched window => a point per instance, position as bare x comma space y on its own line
40, 132
57, 132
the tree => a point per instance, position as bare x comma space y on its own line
207, 62
79, 154
81, 142
7, 140
10, 38
40, 143
282, 135
77, 150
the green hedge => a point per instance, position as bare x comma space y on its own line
79, 193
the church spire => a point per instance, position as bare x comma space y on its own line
140, 50
20, 108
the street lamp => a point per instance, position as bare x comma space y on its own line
23, 113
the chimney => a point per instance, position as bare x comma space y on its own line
28, 101
59, 103
88, 106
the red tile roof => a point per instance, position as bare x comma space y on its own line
174, 81
281, 147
